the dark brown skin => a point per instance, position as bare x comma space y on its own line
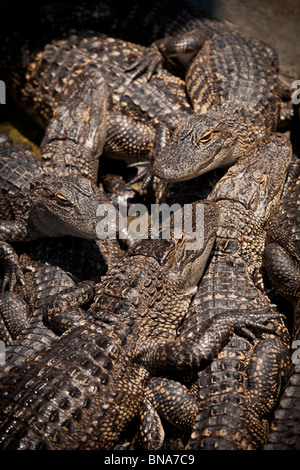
36, 204
235, 111
96, 372
282, 263
50, 266
134, 107
231, 336
236, 101
60, 197
240, 353
75, 136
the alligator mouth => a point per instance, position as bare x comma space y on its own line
203, 167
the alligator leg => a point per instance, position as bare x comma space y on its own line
145, 169
284, 432
63, 312
14, 316
168, 399
235, 403
151, 432
282, 271
75, 136
137, 141
284, 274
182, 47
126, 137
181, 355
62, 315
174, 401
12, 266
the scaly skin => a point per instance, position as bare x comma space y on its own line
53, 197
238, 344
53, 265
57, 198
65, 177
281, 260
75, 136
235, 92
36, 203
238, 99
89, 385
237, 415
256, 95
52, 70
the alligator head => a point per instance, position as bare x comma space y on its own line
65, 206
181, 257
257, 180
201, 143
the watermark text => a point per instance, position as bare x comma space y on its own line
296, 354
2, 92
296, 94
2, 353
163, 221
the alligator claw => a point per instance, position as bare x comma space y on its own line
11, 277
255, 321
147, 65
63, 311
145, 173
13, 270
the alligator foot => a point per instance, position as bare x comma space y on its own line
170, 400
13, 270
151, 62
182, 355
145, 169
145, 173
14, 316
63, 311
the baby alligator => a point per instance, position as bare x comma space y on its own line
84, 390
231, 336
282, 263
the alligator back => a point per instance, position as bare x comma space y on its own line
237, 391
60, 399
50, 74
243, 77
55, 265
282, 258
18, 169
231, 414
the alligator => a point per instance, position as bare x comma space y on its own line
48, 76
237, 106
49, 73
235, 97
36, 203
57, 195
51, 265
238, 353
76, 133
282, 263
84, 390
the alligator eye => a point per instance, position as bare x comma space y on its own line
62, 200
206, 137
